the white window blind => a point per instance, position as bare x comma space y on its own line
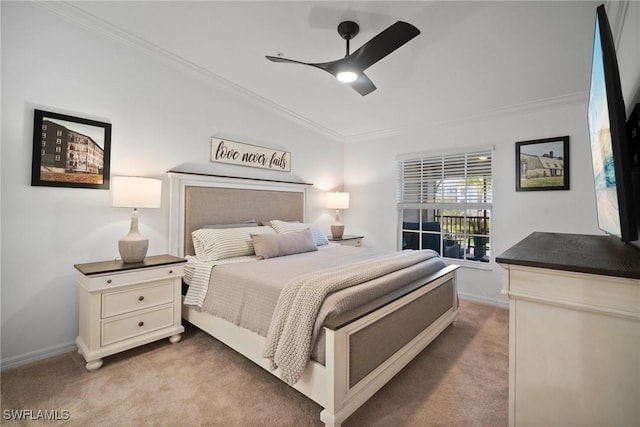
445, 202
446, 179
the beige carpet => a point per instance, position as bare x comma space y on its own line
461, 379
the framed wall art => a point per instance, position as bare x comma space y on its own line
70, 151
239, 153
542, 164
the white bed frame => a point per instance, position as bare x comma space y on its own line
328, 384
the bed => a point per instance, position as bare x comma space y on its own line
361, 347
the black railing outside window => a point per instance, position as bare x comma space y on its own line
463, 237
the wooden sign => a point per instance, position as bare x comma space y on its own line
238, 153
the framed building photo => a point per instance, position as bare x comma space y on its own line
542, 164
70, 151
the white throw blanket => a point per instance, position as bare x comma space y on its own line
288, 343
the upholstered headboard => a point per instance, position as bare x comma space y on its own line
198, 200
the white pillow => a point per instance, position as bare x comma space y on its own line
287, 227
216, 244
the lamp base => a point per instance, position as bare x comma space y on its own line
133, 248
337, 230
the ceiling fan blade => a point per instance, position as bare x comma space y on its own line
324, 66
363, 85
285, 60
383, 44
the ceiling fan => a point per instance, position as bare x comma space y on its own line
350, 69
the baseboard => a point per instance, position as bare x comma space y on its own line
484, 300
33, 356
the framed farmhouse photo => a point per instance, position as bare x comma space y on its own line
70, 151
542, 164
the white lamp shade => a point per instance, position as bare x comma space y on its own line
338, 200
135, 192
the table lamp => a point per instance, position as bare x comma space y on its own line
134, 192
337, 201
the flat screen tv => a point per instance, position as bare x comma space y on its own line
610, 150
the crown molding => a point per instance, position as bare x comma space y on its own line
540, 104
96, 25
531, 106
617, 13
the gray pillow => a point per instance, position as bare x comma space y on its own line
275, 245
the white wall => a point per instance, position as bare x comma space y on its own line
628, 50
370, 173
371, 180
162, 117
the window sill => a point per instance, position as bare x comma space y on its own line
470, 264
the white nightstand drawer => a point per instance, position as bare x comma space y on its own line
353, 242
136, 324
120, 302
105, 281
347, 240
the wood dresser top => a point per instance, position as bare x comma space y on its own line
603, 255
105, 267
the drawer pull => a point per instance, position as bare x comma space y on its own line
170, 271
141, 298
109, 281
140, 323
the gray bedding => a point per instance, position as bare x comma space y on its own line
246, 293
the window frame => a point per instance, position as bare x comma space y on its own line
411, 195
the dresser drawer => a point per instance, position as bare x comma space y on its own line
130, 277
120, 302
136, 324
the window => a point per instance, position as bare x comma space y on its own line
444, 203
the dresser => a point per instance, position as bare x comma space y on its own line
574, 330
122, 306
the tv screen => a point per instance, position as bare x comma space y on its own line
610, 151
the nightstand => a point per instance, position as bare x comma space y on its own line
348, 240
122, 306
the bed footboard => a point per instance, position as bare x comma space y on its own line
366, 348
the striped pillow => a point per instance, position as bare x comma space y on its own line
287, 227
217, 244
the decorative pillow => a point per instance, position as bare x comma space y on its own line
287, 227
216, 244
275, 245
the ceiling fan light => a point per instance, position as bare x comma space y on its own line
347, 76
